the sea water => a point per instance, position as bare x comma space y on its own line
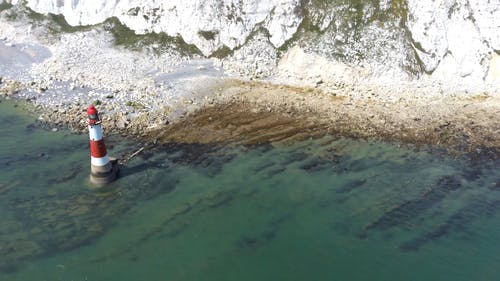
324, 209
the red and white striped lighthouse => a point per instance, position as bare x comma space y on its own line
103, 169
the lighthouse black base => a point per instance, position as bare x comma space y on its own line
103, 175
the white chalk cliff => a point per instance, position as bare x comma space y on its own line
456, 38
443, 39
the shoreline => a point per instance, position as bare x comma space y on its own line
256, 112
461, 124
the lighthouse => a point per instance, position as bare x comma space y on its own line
103, 168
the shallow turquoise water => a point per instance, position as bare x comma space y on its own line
327, 209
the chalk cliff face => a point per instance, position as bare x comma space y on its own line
455, 38
444, 39
209, 25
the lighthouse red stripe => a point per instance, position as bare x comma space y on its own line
98, 148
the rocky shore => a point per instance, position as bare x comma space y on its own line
234, 111
253, 112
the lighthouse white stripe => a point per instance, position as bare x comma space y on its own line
95, 133
102, 161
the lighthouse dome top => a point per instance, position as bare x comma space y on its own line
91, 110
